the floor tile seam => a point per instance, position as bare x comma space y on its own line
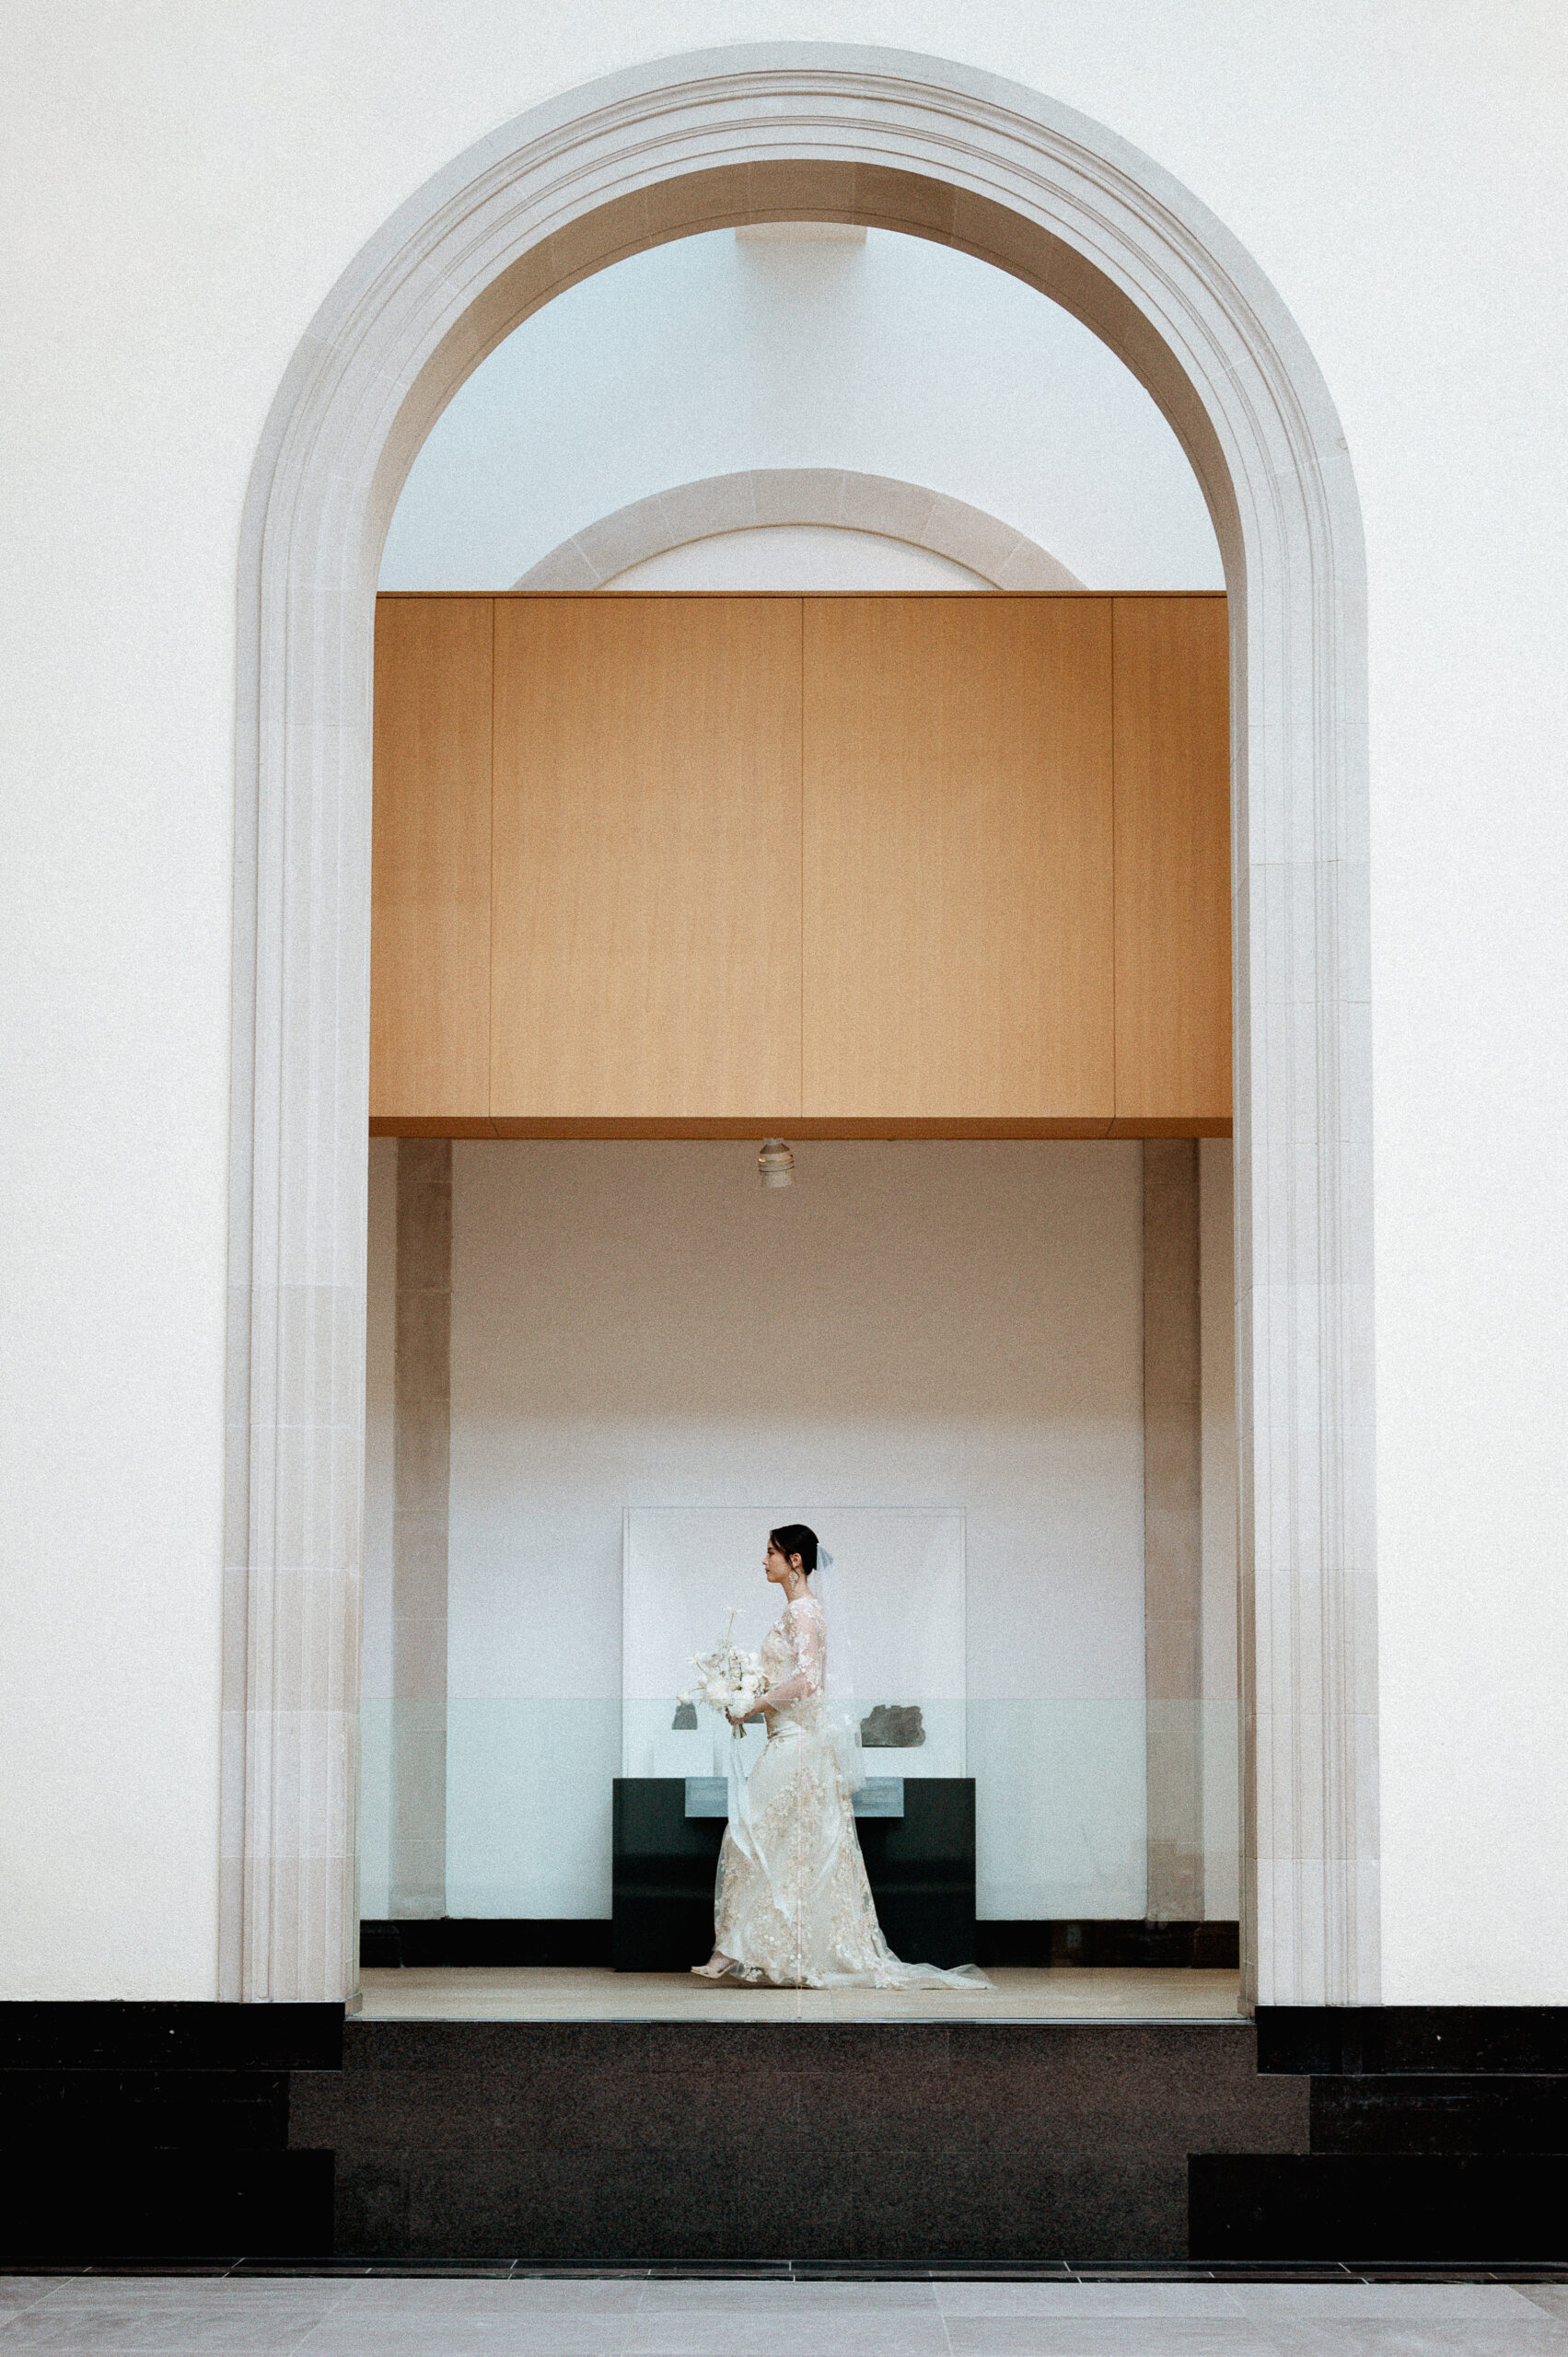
352, 2269
163, 2329
805, 2301
91, 2292
1090, 2309
50, 2278
302, 2344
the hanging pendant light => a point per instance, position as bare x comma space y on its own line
775, 1164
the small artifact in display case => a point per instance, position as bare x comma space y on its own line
893, 1726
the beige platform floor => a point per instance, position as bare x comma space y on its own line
576, 1993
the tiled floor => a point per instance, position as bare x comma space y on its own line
184, 2317
469, 1992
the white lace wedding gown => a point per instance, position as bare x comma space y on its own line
793, 1906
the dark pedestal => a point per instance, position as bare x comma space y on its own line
920, 1865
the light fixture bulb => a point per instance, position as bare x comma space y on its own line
775, 1164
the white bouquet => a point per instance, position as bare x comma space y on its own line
730, 1679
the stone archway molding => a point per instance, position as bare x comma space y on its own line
891, 141
772, 495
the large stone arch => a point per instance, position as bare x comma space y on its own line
917, 145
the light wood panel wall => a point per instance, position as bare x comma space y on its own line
1172, 863
645, 919
430, 863
863, 865
958, 927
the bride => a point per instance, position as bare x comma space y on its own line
793, 1906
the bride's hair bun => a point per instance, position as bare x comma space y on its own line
795, 1538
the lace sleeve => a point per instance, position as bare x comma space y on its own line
802, 1632
803, 1627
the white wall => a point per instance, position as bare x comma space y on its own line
890, 356
946, 1325
181, 187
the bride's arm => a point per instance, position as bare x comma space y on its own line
775, 1698
803, 1631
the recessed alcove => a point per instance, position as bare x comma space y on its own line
921, 1328
937, 884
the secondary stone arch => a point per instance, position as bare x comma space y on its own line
801, 132
599, 552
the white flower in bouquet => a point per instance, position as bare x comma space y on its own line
730, 1679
